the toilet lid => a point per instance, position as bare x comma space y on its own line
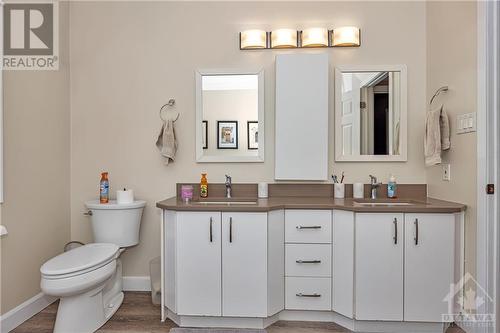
79, 259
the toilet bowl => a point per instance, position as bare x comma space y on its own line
88, 279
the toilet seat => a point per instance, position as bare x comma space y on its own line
79, 261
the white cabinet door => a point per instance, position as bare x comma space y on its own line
244, 269
343, 263
301, 144
429, 265
199, 263
379, 267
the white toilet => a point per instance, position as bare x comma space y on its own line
88, 279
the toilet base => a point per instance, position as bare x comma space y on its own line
82, 313
113, 305
87, 312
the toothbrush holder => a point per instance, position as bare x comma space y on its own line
339, 190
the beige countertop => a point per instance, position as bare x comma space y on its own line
427, 205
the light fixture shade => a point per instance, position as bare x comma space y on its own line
253, 39
284, 38
314, 37
346, 36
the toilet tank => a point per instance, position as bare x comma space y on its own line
116, 223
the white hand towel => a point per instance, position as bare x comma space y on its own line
444, 124
166, 142
437, 136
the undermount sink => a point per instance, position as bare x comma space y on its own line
375, 202
229, 203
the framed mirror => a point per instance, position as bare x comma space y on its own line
371, 113
230, 116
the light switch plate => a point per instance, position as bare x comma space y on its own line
466, 123
446, 172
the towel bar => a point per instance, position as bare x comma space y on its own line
439, 91
170, 103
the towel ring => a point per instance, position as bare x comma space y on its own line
170, 103
438, 92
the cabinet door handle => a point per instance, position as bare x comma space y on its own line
300, 227
416, 232
308, 295
230, 230
395, 231
308, 261
211, 234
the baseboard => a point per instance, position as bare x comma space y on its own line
136, 283
24, 311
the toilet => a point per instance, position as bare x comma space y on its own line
88, 279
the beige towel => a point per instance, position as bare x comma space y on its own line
437, 136
166, 142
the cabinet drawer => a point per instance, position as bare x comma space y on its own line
308, 293
308, 226
312, 260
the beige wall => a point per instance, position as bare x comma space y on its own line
451, 60
129, 58
36, 173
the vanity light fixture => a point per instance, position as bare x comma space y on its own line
308, 38
253, 39
284, 38
314, 37
345, 36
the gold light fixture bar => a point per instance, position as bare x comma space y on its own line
308, 38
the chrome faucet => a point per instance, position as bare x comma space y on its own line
229, 187
374, 186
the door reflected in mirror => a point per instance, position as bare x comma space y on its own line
229, 116
370, 115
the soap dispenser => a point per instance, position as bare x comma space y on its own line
391, 187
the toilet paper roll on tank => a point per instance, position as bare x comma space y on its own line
124, 196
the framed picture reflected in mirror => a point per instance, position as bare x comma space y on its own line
227, 134
253, 134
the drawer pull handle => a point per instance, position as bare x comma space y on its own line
300, 227
230, 230
308, 261
211, 232
395, 231
416, 232
315, 295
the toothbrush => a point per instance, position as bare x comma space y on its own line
342, 179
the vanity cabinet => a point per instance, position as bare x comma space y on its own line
429, 265
379, 267
226, 264
244, 258
405, 264
308, 260
199, 263
242, 269
343, 263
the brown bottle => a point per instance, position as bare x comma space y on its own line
204, 186
104, 188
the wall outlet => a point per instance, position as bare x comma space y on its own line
446, 172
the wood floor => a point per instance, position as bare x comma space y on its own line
138, 315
